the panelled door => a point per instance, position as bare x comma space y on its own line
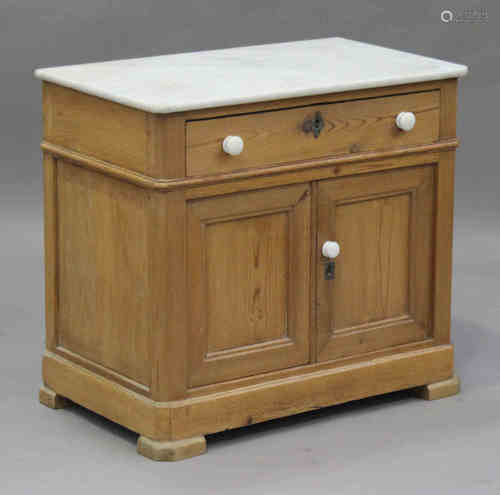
379, 293
248, 275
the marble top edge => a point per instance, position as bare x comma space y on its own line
248, 74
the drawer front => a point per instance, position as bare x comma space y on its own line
275, 137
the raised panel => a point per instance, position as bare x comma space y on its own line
382, 292
249, 279
102, 272
374, 235
247, 272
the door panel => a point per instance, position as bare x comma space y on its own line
381, 294
249, 280
374, 235
254, 251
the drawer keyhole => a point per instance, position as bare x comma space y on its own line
314, 125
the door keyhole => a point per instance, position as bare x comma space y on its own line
330, 270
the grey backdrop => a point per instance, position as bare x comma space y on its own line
394, 443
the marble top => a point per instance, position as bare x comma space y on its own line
188, 81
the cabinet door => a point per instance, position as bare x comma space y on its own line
249, 283
381, 293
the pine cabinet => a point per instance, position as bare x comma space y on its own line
229, 240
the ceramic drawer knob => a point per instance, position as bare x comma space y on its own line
406, 121
330, 249
232, 145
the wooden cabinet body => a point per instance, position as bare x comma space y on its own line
186, 290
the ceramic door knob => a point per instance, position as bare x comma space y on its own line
330, 249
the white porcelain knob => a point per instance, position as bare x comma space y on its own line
406, 121
330, 249
232, 145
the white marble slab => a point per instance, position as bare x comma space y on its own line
188, 81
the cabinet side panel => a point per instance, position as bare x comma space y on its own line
103, 281
50, 237
448, 115
444, 243
96, 127
444, 215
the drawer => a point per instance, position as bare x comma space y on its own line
279, 136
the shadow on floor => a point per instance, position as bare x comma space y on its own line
324, 414
266, 428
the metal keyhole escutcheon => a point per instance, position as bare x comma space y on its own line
330, 270
314, 125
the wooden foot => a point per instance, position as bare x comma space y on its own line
439, 390
50, 399
171, 451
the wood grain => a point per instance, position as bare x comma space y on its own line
277, 137
381, 295
49, 398
248, 270
103, 284
444, 246
439, 390
445, 190
97, 127
301, 101
185, 290
171, 451
154, 145
135, 140
313, 366
246, 274
168, 302
375, 236
317, 169
448, 114
177, 420
280, 398
50, 248
104, 396
167, 144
